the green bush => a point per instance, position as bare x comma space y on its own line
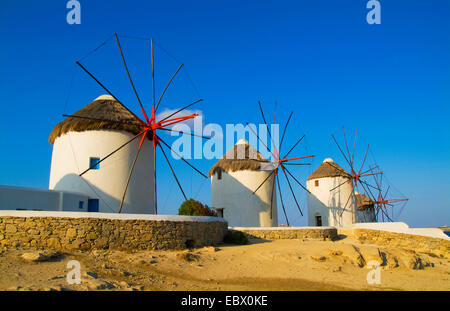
192, 207
236, 237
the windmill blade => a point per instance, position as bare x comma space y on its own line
253, 131
103, 159
352, 193
354, 145
264, 119
284, 131
264, 181
343, 154
364, 161
346, 146
296, 163
159, 138
338, 168
292, 191
282, 203
153, 73
181, 132
301, 185
179, 110
173, 172
129, 77
298, 141
154, 176
341, 184
167, 85
108, 91
271, 196
129, 177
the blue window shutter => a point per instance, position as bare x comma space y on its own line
93, 163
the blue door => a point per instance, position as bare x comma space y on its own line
93, 205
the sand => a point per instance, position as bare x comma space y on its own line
260, 265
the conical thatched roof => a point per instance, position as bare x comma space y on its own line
104, 107
363, 201
328, 168
240, 157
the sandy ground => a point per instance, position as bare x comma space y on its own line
260, 265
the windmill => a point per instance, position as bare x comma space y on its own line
281, 161
148, 124
383, 198
356, 177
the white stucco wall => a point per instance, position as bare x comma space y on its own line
242, 208
71, 154
329, 204
13, 198
401, 227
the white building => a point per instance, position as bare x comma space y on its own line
21, 198
330, 201
80, 143
234, 178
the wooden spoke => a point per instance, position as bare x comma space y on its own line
282, 203
173, 172
159, 138
129, 77
292, 191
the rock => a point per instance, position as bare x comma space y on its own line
373, 254
34, 257
91, 275
187, 256
210, 249
319, 258
96, 284
336, 253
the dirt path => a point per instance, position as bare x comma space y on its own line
261, 265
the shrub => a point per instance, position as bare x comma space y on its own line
192, 207
236, 237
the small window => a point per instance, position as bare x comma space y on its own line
219, 174
316, 183
81, 204
93, 163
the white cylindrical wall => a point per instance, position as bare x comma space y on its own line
241, 208
71, 155
330, 204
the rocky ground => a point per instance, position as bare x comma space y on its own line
260, 265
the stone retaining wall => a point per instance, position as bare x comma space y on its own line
101, 232
417, 243
303, 233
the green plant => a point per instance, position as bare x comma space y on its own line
236, 237
192, 207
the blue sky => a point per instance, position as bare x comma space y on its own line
320, 58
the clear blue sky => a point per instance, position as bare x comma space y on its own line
391, 82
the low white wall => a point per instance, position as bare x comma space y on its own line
277, 228
401, 227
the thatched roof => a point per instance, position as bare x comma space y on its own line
104, 107
240, 157
363, 201
328, 168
